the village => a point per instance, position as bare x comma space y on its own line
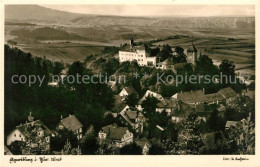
195, 121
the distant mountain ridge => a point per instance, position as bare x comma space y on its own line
32, 13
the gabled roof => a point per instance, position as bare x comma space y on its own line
167, 62
214, 97
22, 128
71, 123
231, 123
111, 83
227, 92
142, 142
167, 103
221, 108
119, 104
191, 96
130, 90
151, 94
131, 114
184, 111
114, 131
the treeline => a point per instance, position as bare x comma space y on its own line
47, 103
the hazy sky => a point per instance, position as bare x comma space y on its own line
159, 10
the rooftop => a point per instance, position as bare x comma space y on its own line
40, 124
227, 92
231, 123
130, 90
114, 131
142, 142
191, 96
71, 123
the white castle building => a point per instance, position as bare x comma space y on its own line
138, 53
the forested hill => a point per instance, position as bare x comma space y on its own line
49, 103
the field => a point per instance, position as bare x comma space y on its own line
75, 36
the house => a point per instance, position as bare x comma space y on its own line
119, 104
131, 52
228, 93
148, 94
72, 124
204, 111
181, 113
144, 144
192, 97
221, 110
166, 64
113, 85
130, 116
214, 98
230, 124
21, 134
126, 91
116, 136
168, 105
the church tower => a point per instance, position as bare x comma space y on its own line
192, 54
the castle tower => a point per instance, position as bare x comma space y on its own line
131, 43
192, 54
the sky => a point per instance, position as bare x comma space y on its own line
159, 10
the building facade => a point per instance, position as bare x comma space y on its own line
136, 53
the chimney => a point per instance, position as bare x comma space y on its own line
70, 115
203, 90
61, 117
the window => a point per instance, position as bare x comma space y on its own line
22, 139
14, 135
47, 139
20, 135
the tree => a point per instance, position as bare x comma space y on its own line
227, 68
64, 135
69, 150
35, 143
131, 149
156, 149
180, 57
89, 143
215, 122
205, 66
131, 99
243, 134
58, 67
166, 52
111, 66
149, 105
